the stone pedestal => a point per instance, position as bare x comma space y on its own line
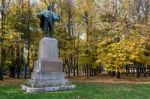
47, 74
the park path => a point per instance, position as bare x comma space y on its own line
96, 79
108, 79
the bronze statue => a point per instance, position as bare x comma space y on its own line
47, 19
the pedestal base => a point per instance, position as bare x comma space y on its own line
46, 89
47, 81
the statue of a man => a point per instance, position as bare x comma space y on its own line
47, 19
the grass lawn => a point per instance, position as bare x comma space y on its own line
83, 91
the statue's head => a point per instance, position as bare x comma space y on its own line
49, 8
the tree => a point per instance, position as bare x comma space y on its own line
3, 8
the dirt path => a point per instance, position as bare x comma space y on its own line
12, 81
107, 79
97, 79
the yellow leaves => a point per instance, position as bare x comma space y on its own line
125, 4
117, 54
8, 62
12, 38
86, 5
12, 9
12, 35
147, 60
42, 4
64, 54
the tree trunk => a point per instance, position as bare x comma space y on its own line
113, 73
13, 71
77, 70
145, 72
138, 70
118, 74
25, 71
74, 65
87, 71
1, 73
68, 64
3, 56
90, 71
3, 32
18, 62
148, 70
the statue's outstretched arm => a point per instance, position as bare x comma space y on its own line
56, 17
40, 14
